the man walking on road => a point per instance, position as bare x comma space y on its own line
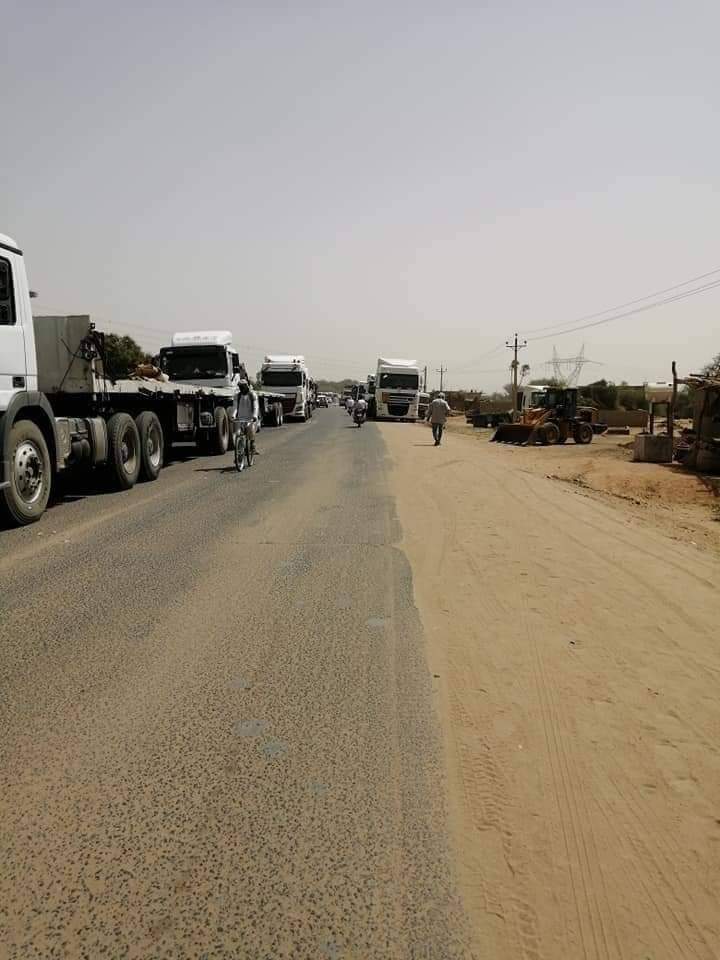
437, 415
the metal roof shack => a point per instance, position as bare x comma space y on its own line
704, 454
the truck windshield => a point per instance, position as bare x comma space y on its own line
400, 381
282, 378
194, 363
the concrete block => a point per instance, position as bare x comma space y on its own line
653, 448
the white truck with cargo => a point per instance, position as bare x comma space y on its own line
61, 407
289, 376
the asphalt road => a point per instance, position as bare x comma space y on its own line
218, 737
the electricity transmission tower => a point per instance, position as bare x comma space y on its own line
567, 370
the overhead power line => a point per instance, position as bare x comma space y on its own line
685, 295
599, 317
628, 303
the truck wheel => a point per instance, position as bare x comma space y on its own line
152, 445
24, 501
583, 433
221, 434
123, 450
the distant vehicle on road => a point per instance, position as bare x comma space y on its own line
323, 400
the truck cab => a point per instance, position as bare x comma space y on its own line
205, 358
289, 376
23, 459
397, 389
18, 371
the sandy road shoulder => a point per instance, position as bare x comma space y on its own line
577, 674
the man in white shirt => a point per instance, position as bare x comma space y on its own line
349, 404
437, 416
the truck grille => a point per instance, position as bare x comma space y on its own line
403, 398
288, 404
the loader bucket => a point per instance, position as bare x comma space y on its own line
514, 433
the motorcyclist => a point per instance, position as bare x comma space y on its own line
361, 407
349, 404
246, 411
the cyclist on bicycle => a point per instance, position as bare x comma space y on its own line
246, 412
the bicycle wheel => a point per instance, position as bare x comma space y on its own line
240, 453
250, 451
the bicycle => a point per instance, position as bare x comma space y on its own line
244, 445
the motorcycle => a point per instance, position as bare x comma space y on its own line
359, 417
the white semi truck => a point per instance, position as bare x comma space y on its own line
289, 375
397, 390
61, 407
207, 358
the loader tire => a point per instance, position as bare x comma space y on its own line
583, 433
550, 434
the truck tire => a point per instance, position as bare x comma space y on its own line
24, 501
583, 433
152, 445
123, 451
221, 434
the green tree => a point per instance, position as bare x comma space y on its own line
631, 398
122, 355
602, 392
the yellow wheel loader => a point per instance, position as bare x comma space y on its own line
555, 421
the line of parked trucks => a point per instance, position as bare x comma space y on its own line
62, 407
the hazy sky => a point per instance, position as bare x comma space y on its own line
349, 180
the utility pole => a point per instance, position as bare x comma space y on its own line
425, 380
442, 371
515, 345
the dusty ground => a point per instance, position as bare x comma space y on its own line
576, 656
684, 504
